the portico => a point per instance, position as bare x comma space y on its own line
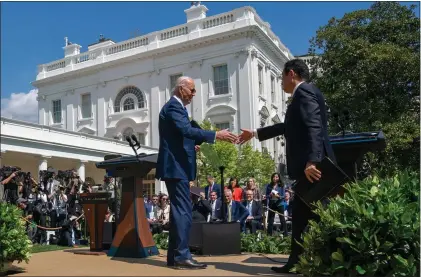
34, 147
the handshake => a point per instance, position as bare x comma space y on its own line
226, 135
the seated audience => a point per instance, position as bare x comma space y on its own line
201, 208
254, 220
236, 212
237, 192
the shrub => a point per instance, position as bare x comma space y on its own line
14, 242
249, 243
373, 231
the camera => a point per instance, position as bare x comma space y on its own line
6, 171
46, 174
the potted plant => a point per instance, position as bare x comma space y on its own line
14, 242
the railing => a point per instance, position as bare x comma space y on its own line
176, 32
218, 20
126, 45
144, 41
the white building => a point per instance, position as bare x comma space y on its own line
90, 101
116, 89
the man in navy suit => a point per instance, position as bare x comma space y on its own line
307, 142
236, 212
212, 186
177, 166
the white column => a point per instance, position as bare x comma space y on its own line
81, 170
43, 164
160, 187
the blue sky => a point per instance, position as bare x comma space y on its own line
33, 33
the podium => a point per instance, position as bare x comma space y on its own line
350, 148
133, 238
95, 207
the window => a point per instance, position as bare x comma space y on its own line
220, 79
86, 106
134, 94
272, 89
260, 69
57, 111
222, 126
173, 80
141, 138
128, 104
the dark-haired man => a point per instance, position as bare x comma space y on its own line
307, 142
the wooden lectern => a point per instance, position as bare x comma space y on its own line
95, 207
133, 238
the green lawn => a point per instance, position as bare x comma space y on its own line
37, 248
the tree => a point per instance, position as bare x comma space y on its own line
227, 152
252, 163
241, 162
370, 66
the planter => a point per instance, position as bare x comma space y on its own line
5, 267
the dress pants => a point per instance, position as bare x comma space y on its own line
180, 221
301, 214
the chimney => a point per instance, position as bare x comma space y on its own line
71, 49
197, 11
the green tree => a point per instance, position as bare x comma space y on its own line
241, 162
252, 163
370, 66
227, 152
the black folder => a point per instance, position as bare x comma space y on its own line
333, 177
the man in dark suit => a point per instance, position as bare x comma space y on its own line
236, 212
215, 204
254, 220
177, 166
212, 186
307, 142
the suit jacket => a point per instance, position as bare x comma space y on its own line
201, 210
305, 130
177, 138
238, 212
256, 210
216, 187
218, 205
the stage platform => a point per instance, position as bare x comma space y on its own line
58, 263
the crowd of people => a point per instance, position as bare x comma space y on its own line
50, 207
253, 207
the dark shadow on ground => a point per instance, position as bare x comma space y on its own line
232, 267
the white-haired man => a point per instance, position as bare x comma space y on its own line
177, 166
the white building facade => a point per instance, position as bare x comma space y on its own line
117, 89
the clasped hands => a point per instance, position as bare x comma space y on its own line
226, 135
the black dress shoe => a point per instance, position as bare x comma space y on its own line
189, 264
284, 269
172, 263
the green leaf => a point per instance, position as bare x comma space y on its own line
374, 190
345, 240
337, 256
360, 270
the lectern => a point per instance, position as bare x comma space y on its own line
133, 238
350, 148
95, 206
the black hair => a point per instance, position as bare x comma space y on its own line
299, 67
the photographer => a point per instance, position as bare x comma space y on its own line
67, 233
28, 212
12, 186
275, 194
59, 206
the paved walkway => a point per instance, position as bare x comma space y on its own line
66, 263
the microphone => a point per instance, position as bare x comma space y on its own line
134, 138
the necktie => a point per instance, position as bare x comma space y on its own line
229, 213
249, 207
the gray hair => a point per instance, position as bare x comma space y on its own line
181, 81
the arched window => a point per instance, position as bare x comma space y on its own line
132, 97
128, 104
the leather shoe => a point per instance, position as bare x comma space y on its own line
189, 264
171, 264
284, 269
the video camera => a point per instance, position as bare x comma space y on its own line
6, 171
66, 174
46, 174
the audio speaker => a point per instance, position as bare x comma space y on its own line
215, 238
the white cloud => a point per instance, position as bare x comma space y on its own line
21, 106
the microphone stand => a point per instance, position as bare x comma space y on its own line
223, 203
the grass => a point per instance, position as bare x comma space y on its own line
37, 248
